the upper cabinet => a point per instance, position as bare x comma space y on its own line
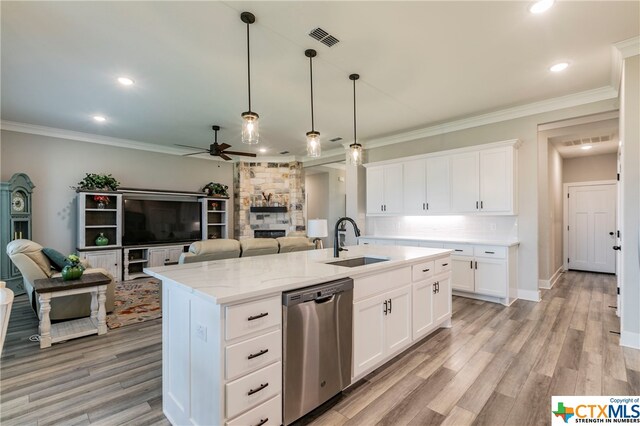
384, 190
477, 180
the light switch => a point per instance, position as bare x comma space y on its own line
201, 332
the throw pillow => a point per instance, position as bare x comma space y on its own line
57, 259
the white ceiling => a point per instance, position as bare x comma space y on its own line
421, 63
601, 135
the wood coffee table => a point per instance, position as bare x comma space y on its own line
48, 288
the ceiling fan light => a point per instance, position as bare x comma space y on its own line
355, 154
250, 128
313, 144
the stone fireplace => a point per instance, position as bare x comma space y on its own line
283, 212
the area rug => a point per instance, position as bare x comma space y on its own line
135, 301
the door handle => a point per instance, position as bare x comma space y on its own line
617, 248
262, 421
385, 307
256, 355
258, 389
482, 204
476, 264
476, 205
389, 305
425, 270
434, 288
471, 264
424, 206
255, 317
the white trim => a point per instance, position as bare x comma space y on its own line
629, 47
548, 284
630, 339
568, 101
585, 119
531, 295
565, 213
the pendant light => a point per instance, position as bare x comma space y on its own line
355, 149
250, 125
313, 137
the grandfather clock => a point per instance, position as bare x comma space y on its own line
16, 209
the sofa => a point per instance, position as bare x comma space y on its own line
202, 251
33, 264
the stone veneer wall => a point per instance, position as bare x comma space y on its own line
284, 180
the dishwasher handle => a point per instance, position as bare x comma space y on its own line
326, 299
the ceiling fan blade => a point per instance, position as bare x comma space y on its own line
246, 154
188, 146
224, 156
194, 153
223, 146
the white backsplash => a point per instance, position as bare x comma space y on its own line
476, 227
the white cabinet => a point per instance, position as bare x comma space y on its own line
384, 189
381, 327
491, 276
422, 292
107, 259
161, 256
497, 180
464, 183
438, 184
462, 273
426, 186
441, 299
415, 187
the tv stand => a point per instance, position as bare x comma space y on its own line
136, 258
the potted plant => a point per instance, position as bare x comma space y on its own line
73, 269
216, 190
97, 182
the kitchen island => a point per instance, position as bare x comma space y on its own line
222, 337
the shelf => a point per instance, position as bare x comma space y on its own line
216, 211
94, 247
101, 210
137, 261
100, 226
217, 224
268, 209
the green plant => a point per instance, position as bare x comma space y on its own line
216, 189
73, 260
94, 181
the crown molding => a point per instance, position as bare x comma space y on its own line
568, 101
629, 47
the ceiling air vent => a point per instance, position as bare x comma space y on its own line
335, 139
284, 152
587, 141
323, 37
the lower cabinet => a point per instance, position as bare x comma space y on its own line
431, 303
107, 259
164, 256
381, 327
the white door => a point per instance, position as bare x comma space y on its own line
108, 260
496, 179
464, 183
462, 274
422, 314
441, 300
375, 188
368, 333
592, 227
393, 189
619, 222
157, 257
438, 184
398, 319
491, 277
414, 179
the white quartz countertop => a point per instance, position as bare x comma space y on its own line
475, 240
233, 280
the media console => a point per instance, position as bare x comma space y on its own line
159, 226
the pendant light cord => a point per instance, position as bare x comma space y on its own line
248, 67
311, 74
355, 140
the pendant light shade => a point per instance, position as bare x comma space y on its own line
250, 119
355, 149
313, 137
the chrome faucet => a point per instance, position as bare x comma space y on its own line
336, 244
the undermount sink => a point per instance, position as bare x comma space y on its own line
358, 261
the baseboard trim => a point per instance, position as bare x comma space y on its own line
531, 295
630, 339
548, 284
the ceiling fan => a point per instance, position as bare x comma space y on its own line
216, 149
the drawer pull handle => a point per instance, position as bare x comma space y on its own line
262, 352
263, 421
444, 264
255, 317
459, 250
262, 386
425, 270
490, 252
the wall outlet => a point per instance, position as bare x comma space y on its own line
492, 226
201, 332
340, 178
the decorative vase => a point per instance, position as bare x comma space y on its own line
101, 240
101, 205
70, 272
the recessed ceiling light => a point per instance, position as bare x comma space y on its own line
263, 150
125, 81
99, 118
541, 6
560, 66
586, 147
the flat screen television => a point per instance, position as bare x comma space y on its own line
152, 221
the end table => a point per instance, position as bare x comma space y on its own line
48, 288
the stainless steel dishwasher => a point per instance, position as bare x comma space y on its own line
316, 345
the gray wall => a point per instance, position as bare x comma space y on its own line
556, 206
325, 193
590, 168
525, 129
55, 164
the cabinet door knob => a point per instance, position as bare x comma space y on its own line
617, 247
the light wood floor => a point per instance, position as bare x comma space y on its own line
495, 366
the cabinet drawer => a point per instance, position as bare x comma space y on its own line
459, 249
253, 389
422, 271
442, 265
253, 353
381, 282
253, 316
269, 413
496, 252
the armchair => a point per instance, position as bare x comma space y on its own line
33, 264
